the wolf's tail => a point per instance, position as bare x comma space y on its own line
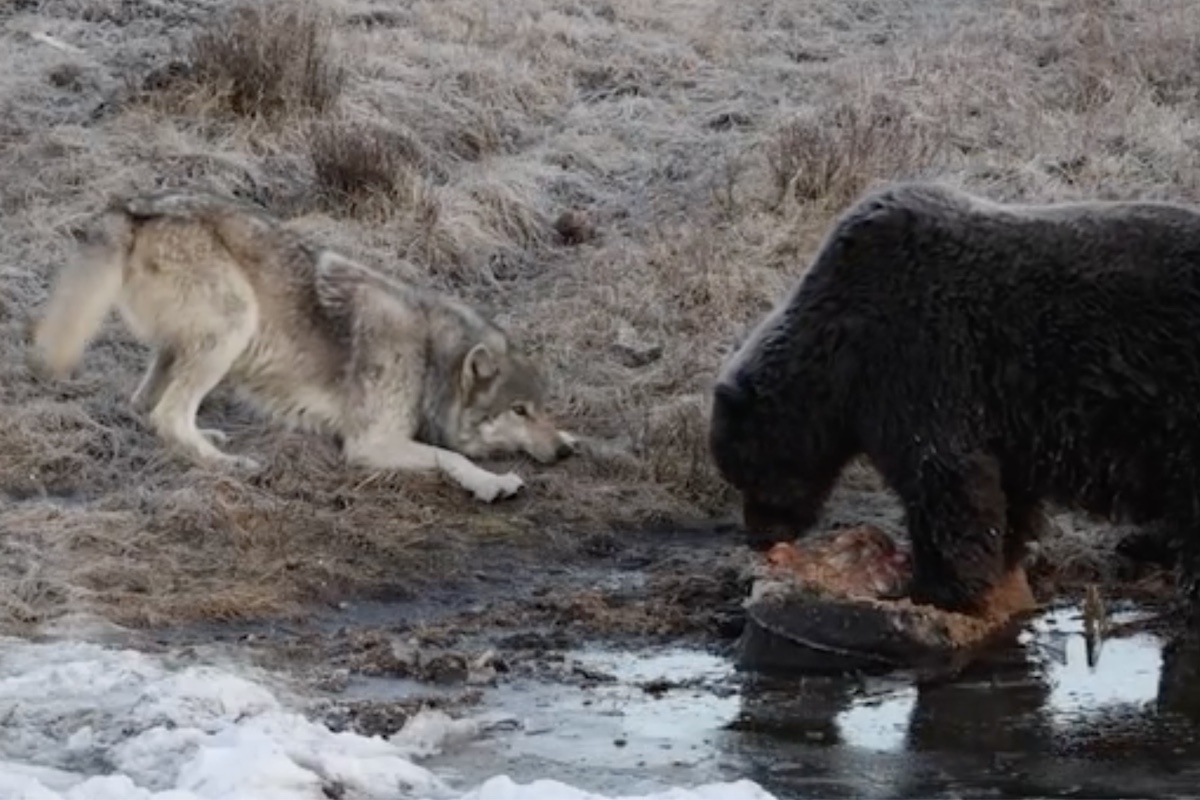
84, 292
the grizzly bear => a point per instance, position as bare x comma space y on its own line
987, 359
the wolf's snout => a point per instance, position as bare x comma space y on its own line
567, 446
554, 447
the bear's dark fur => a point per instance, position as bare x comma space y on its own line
986, 358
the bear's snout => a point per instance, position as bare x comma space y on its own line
768, 525
761, 543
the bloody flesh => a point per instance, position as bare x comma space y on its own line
864, 563
861, 562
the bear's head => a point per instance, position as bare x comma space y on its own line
777, 461
785, 411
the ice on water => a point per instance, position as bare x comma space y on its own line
83, 721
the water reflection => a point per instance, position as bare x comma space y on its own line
1126, 672
1031, 719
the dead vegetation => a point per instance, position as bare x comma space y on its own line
268, 60
360, 166
832, 155
627, 186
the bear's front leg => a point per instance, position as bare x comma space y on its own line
1187, 569
957, 522
1177, 535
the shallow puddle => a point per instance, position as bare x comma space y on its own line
1031, 720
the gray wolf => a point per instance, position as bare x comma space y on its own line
987, 359
405, 378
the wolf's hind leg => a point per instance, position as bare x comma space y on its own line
197, 369
154, 381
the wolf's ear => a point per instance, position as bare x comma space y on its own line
479, 366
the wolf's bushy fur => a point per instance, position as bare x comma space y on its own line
987, 358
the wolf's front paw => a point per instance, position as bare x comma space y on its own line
247, 465
497, 487
44, 369
243, 465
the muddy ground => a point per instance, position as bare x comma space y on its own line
514, 614
612, 665
608, 660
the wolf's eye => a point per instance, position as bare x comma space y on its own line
520, 409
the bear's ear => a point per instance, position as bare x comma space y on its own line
734, 397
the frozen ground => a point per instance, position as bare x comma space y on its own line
88, 722
100, 713
710, 143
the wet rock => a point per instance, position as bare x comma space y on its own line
385, 718
381, 655
368, 718
819, 607
657, 687
798, 633
729, 623
446, 668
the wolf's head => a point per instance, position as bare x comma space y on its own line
501, 408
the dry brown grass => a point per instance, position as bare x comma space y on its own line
359, 167
268, 60
708, 144
831, 156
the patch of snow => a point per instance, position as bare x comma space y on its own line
83, 721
